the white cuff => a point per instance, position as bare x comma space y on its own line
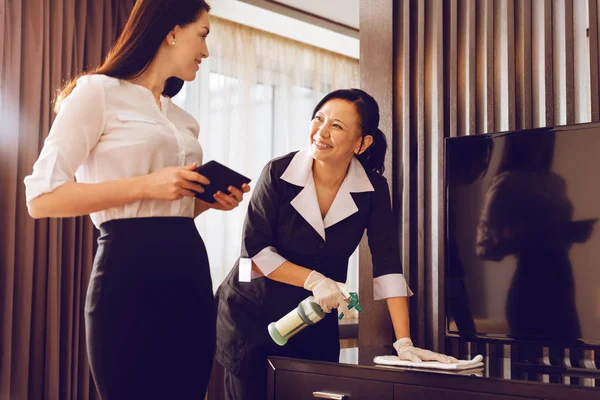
46, 177
36, 186
267, 260
390, 285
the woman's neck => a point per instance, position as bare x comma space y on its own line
152, 79
328, 174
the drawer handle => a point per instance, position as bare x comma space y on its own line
332, 396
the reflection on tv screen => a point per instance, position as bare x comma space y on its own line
522, 240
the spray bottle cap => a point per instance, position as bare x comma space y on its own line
352, 304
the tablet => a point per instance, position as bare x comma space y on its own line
221, 177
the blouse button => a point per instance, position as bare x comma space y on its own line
321, 245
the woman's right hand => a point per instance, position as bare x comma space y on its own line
328, 293
173, 183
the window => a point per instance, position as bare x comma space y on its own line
254, 99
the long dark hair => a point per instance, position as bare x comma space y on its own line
148, 25
373, 158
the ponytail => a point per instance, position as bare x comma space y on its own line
373, 158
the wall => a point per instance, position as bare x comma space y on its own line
463, 67
286, 26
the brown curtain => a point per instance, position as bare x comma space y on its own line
44, 264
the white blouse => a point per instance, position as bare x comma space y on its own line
109, 129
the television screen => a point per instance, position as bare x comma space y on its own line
522, 235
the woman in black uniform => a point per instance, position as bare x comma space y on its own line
150, 315
306, 216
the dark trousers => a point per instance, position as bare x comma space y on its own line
251, 382
244, 344
247, 380
150, 315
252, 386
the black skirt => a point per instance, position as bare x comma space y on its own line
150, 313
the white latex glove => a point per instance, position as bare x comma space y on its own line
328, 293
406, 351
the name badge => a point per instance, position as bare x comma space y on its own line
245, 270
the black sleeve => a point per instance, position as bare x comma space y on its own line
261, 222
382, 233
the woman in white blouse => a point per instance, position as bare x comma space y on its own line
150, 315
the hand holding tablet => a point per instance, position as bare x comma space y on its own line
221, 178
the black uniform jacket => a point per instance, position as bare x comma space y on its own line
284, 222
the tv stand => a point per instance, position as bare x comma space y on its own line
575, 360
359, 378
556, 370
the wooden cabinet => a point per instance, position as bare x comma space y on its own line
293, 379
305, 386
301, 386
404, 392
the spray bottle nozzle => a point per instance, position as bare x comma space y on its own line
353, 303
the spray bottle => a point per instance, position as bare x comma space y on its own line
307, 313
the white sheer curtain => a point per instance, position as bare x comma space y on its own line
253, 98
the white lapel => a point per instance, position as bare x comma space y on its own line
299, 173
307, 205
343, 205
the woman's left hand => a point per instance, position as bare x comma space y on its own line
227, 202
406, 351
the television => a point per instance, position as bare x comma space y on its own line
522, 238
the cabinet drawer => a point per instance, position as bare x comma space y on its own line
404, 392
301, 385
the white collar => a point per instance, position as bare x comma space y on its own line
299, 173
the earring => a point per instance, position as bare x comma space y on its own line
173, 43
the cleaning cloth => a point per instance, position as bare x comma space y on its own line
476, 362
